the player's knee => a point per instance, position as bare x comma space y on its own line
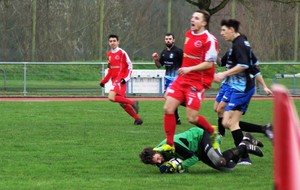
111, 97
226, 124
169, 109
192, 119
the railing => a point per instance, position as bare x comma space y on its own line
82, 79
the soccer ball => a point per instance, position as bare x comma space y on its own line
177, 162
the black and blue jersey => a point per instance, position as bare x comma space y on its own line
241, 54
172, 60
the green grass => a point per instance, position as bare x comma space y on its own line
94, 145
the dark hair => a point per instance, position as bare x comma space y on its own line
113, 36
231, 23
170, 34
146, 155
206, 16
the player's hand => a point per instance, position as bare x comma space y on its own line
102, 85
168, 167
184, 70
165, 148
123, 81
218, 77
155, 56
268, 91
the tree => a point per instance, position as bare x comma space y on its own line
205, 4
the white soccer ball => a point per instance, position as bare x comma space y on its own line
177, 162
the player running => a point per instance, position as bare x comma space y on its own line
119, 71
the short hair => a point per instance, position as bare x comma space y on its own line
231, 23
170, 34
146, 155
206, 16
113, 36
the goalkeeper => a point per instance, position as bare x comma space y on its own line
194, 145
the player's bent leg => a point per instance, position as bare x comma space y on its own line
208, 155
198, 120
216, 106
231, 119
112, 95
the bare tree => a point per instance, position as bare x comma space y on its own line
205, 4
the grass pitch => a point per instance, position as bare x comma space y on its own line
94, 145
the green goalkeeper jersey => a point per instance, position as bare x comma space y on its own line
186, 147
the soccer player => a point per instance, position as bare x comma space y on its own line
194, 77
223, 97
194, 145
242, 85
119, 71
171, 58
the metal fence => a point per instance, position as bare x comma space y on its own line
81, 79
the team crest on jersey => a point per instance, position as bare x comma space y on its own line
117, 57
198, 43
171, 56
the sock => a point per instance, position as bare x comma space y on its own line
128, 108
238, 137
123, 100
221, 127
176, 114
249, 127
234, 154
203, 123
170, 127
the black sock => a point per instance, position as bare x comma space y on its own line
221, 128
176, 114
238, 137
249, 127
234, 154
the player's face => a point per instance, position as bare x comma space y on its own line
169, 41
157, 159
113, 43
198, 23
227, 33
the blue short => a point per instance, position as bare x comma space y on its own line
168, 82
239, 100
224, 93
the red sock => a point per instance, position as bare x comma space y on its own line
170, 127
128, 108
123, 100
203, 123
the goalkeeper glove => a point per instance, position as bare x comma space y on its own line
123, 81
168, 168
102, 85
165, 148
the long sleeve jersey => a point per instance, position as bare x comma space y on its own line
120, 66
